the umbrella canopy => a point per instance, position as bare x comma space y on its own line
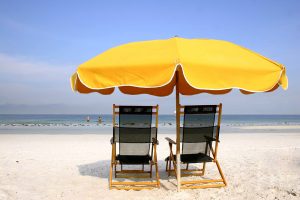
204, 65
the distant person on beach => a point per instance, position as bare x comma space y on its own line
99, 120
88, 118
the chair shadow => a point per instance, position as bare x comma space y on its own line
101, 168
98, 169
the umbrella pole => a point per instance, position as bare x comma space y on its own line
178, 134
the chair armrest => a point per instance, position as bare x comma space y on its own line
112, 140
170, 140
155, 141
211, 139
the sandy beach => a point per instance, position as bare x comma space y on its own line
42, 165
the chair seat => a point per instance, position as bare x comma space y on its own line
193, 158
128, 159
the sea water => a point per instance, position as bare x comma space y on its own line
28, 120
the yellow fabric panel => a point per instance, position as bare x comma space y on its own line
211, 66
142, 64
77, 84
215, 65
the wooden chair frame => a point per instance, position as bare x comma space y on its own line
210, 183
134, 185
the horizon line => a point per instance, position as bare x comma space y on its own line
111, 114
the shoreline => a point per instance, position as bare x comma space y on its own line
161, 130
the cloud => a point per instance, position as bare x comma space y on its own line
29, 81
11, 66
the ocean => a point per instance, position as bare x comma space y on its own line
25, 120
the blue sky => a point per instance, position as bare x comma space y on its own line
42, 43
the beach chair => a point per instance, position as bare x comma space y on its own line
135, 140
199, 138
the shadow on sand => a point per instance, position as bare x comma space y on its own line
101, 169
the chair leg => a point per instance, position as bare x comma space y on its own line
171, 160
112, 163
151, 163
167, 165
157, 175
170, 167
221, 173
156, 167
187, 166
174, 165
110, 175
203, 169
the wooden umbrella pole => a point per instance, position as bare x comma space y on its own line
178, 133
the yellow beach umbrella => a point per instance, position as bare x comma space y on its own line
205, 65
192, 65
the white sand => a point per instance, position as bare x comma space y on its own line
297, 127
41, 166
